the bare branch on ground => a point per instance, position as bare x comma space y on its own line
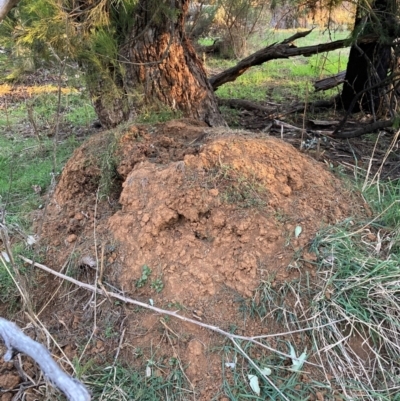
92, 288
5, 7
15, 340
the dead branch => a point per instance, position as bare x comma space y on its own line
299, 107
254, 339
244, 104
364, 130
330, 82
15, 340
284, 49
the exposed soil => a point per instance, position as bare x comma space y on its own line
195, 220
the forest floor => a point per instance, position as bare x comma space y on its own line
221, 226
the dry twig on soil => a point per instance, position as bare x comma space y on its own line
254, 339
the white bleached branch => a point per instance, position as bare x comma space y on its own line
5, 7
15, 340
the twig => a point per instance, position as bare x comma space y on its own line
95, 280
16, 340
216, 329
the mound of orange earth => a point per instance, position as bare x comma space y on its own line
223, 213
209, 213
223, 217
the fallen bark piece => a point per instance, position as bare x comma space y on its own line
330, 82
324, 123
15, 340
282, 124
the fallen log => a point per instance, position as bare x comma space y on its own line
245, 105
364, 130
330, 82
284, 49
301, 106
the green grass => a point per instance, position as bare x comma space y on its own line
165, 382
76, 111
158, 114
25, 162
360, 296
31, 157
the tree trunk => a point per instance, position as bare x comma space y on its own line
160, 67
369, 63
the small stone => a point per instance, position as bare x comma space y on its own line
79, 216
72, 238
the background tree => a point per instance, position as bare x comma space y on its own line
366, 80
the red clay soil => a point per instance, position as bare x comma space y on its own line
211, 214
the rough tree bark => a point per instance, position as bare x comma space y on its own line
161, 66
369, 63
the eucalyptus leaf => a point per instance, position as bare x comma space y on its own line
148, 371
266, 371
255, 386
297, 231
297, 362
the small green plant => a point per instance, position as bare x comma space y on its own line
157, 285
110, 332
146, 272
175, 306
